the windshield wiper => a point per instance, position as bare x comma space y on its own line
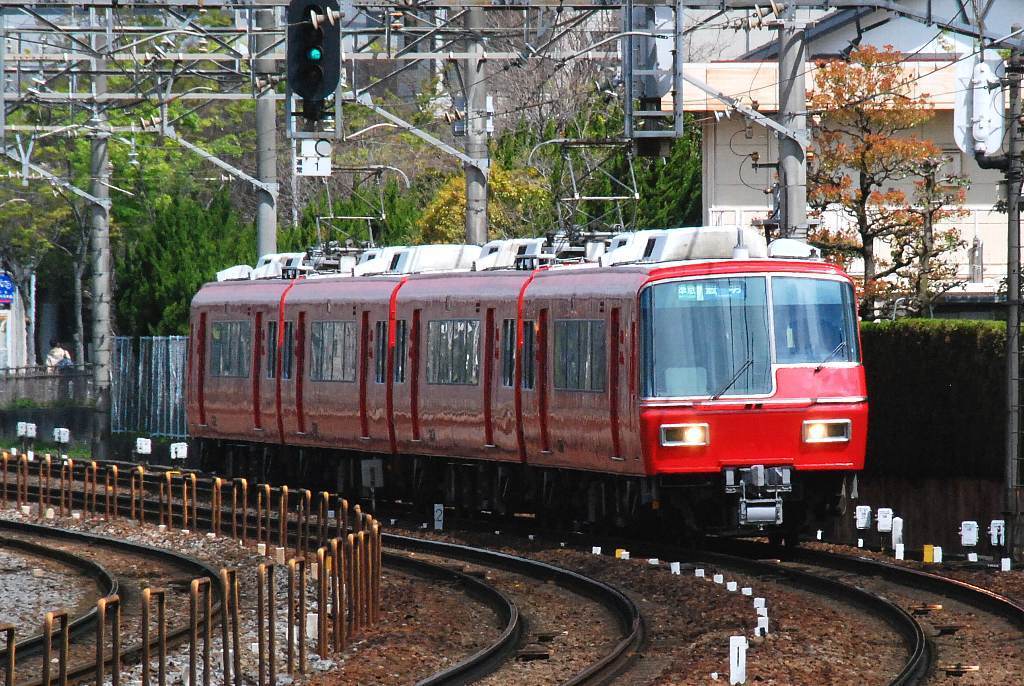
748, 363
835, 351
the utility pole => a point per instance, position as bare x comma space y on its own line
792, 114
927, 238
476, 129
266, 136
99, 219
1014, 70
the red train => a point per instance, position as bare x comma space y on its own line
693, 373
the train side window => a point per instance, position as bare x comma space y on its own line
401, 349
230, 348
508, 352
289, 350
271, 349
453, 351
580, 358
381, 352
333, 348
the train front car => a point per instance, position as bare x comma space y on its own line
751, 375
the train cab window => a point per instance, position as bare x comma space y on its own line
401, 350
580, 358
333, 347
815, 321
230, 348
453, 351
706, 338
508, 351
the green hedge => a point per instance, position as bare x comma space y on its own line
937, 397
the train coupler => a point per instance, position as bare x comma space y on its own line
760, 492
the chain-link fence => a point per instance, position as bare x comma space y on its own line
148, 393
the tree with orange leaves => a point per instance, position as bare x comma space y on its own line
864, 111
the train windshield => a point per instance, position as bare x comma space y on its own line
707, 337
814, 321
711, 337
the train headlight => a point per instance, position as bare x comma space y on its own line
827, 430
689, 435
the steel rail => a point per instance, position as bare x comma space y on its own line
919, 649
627, 614
967, 593
105, 581
625, 611
174, 635
487, 660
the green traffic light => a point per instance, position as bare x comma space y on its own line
315, 54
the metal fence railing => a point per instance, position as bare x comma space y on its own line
148, 391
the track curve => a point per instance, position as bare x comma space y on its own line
627, 614
174, 634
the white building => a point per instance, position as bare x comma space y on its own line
12, 325
735, 192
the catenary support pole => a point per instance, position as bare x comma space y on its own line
266, 137
99, 221
792, 114
476, 131
1013, 189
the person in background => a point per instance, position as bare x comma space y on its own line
58, 357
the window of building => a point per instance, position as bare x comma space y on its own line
579, 354
508, 350
230, 348
453, 351
333, 347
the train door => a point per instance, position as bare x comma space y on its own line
284, 374
503, 392
364, 363
405, 381
488, 373
199, 355
533, 403
615, 364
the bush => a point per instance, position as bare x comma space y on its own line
937, 396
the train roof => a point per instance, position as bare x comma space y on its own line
625, 261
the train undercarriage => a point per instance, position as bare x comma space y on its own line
682, 507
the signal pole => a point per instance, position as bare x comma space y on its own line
792, 114
476, 130
266, 137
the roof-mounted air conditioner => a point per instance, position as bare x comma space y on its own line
685, 243
418, 259
240, 272
510, 253
287, 265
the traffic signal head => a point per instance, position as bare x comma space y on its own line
314, 48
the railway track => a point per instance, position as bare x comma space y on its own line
621, 608
857, 581
164, 569
971, 630
485, 662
